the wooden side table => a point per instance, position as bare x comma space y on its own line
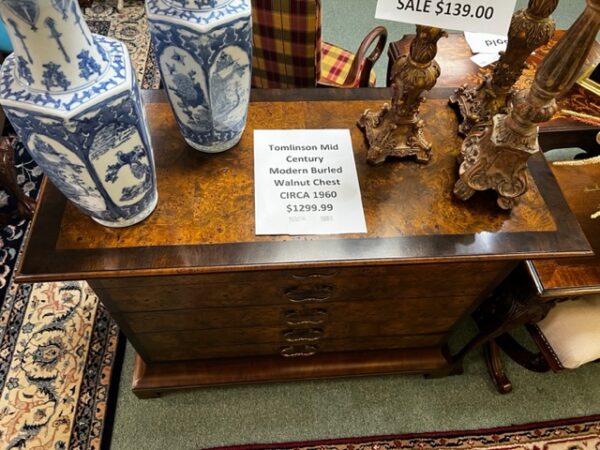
537, 285
205, 301
454, 57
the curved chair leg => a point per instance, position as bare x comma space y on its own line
530, 360
493, 362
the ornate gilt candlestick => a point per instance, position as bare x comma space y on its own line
396, 130
496, 157
530, 28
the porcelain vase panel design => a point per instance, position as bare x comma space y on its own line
74, 102
204, 50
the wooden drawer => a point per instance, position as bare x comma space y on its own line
296, 287
282, 335
413, 315
161, 347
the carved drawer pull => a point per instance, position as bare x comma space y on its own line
299, 351
296, 317
303, 335
309, 293
329, 274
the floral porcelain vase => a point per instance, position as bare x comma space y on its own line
74, 102
204, 52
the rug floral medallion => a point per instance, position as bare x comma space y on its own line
55, 385
131, 27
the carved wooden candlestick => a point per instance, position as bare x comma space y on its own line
530, 28
397, 130
496, 157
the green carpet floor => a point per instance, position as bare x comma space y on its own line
357, 406
365, 406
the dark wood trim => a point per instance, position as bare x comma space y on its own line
149, 380
548, 293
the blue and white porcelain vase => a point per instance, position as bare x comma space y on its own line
204, 50
74, 102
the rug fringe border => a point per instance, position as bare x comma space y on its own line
422, 435
113, 393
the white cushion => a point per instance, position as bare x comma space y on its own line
572, 329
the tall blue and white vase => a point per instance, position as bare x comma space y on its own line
74, 102
204, 50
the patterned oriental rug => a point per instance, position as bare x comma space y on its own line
59, 349
571, 434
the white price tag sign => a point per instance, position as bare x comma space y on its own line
486, 43
479, 16
485, 59
305, 182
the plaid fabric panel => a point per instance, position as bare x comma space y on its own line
335, 65
286, 39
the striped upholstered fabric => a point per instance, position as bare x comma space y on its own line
288, 51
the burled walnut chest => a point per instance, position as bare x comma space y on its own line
205, 301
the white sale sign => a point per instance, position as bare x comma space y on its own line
479, 16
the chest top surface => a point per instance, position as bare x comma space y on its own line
205, 218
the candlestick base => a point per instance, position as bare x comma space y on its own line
495, 158
476, 106
390, 137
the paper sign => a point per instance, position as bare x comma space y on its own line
486, 43
479, 16
306, 183
485, 59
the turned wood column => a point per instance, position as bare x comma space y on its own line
529, 29
397, 130
496, 156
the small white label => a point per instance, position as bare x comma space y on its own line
305, 182
486, 43
485, 59
479, 16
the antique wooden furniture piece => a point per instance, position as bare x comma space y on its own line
25, 206
288, 51
205, 301
8, 176
537, 285
396, 129
562, 132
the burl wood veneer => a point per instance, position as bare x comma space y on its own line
204, 301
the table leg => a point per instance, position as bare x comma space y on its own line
530, 360
513, 304
495, 369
